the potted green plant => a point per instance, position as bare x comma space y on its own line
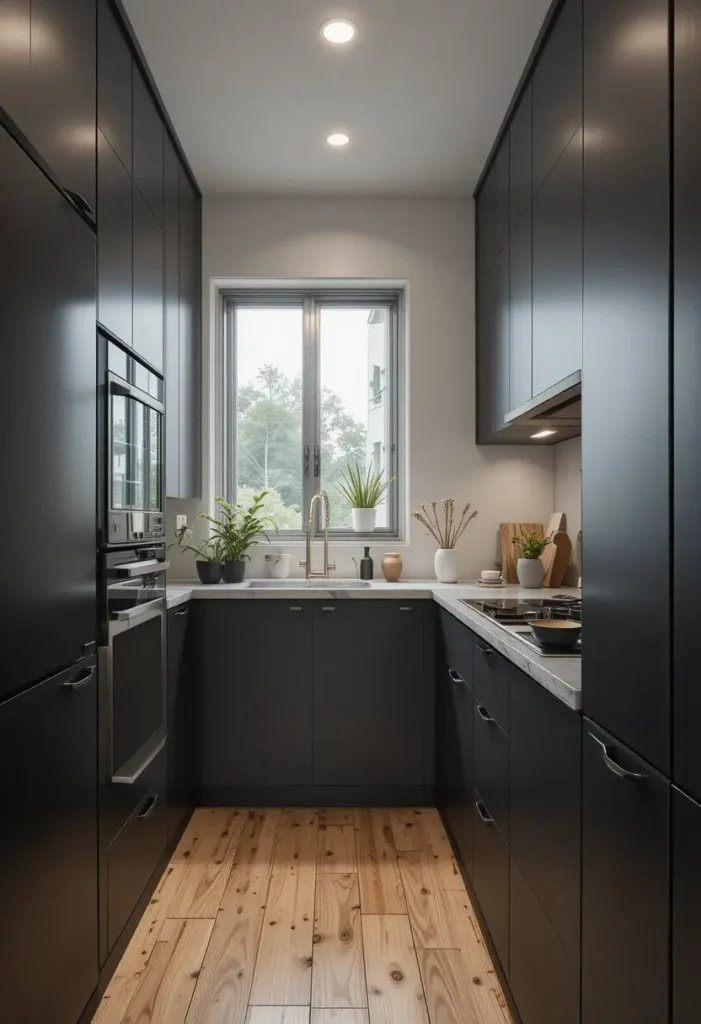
236, 530
208, 555
529, 567
363, 492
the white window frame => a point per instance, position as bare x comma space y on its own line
312, 300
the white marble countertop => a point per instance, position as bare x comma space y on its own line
560, 676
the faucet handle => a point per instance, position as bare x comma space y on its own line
302, 563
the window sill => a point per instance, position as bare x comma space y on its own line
370, 539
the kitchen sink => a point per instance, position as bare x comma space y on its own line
308, 584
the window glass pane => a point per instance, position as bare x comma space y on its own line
269, 410
354, 400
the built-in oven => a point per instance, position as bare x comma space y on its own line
132, 660
134, 456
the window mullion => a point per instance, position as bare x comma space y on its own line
309, 391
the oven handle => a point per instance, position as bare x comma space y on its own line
129, 777
147, 567
139, 613
125, 390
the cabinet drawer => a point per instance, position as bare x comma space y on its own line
491, 879
458, 644
492, 682
544, 975
492, 766
132, 857
119, 802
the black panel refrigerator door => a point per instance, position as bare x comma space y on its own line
47, 425
48, 853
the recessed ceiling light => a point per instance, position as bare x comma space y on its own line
544, 433
339, 31
338, 139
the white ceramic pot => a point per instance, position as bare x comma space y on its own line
530, 572
446, 566
363, 519
279, 566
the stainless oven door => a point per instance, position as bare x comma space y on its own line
133, 675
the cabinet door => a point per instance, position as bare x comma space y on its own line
557, 91
520, 162
546, 803
183, 720
687, 385
171, 242
454, 743
370, 702
148, 135
521, 313
491, 766
148, 284
15, 66
114, 243
190, 340
256, 692
626, 355
493, 346
557, 271
686, 908
114, 92
48, 854
625, 885
490, 878
493, 209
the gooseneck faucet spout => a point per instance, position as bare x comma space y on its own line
307, 564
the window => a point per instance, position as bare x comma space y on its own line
297, 406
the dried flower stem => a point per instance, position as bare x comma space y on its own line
444, 531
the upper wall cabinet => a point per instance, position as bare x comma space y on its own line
114, 84
147, 289
493, 346
520, 159
47, 86
493, 209
190, 348
148, 145
171, 239
114, 243
557, 91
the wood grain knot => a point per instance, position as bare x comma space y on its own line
317, 938
396, 976
425, 891
346, 935
476, 981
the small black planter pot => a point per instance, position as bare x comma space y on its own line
234, 572
209, 572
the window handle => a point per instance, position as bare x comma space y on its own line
317, 460
306, 460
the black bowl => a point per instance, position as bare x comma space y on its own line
556, 633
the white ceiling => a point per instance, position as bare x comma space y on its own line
253, 92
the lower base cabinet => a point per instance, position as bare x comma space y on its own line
686, 908
625, 885
454, 754
183, 724
491, 879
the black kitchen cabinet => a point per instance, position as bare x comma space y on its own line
183, 724
627, 393
114, 83
557, 271
454, 734
492, 682
15, 65
543, 973
490, 878
373, 705
557, 91
491, 766
686, 907
687, 382
48, 862
546, 774
148, 138
625, 885
48, 406
521, 313
147, 294
520, 159
114, 243
171, 271
190, 341
256, 694
493, 347
493, 209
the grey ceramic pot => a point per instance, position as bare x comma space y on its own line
209, 572
530, 572
234, 572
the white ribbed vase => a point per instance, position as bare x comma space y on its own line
446, 565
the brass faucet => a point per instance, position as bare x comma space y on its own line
321, 496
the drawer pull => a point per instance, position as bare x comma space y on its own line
80, 681
484, 813
181, 613
456, 677
404, 608
328, 608
149, 807
295, 608
484, 714
613, 765
484, 650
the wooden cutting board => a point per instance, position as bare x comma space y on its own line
509, 551
557, 567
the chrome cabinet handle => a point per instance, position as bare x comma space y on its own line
149, 807
484, 813
295, 608
484, 650
80, 681
129, 780
80, 201
328, 608
613, 765
404, 608
456, 678
183, 612
484, 714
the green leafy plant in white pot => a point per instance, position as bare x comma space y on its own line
238, 529
529, 567
363, 492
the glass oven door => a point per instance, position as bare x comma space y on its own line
135, 463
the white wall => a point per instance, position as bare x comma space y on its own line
429, 243
568, 498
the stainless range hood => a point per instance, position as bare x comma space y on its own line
559, 409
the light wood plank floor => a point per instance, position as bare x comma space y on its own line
328, 916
